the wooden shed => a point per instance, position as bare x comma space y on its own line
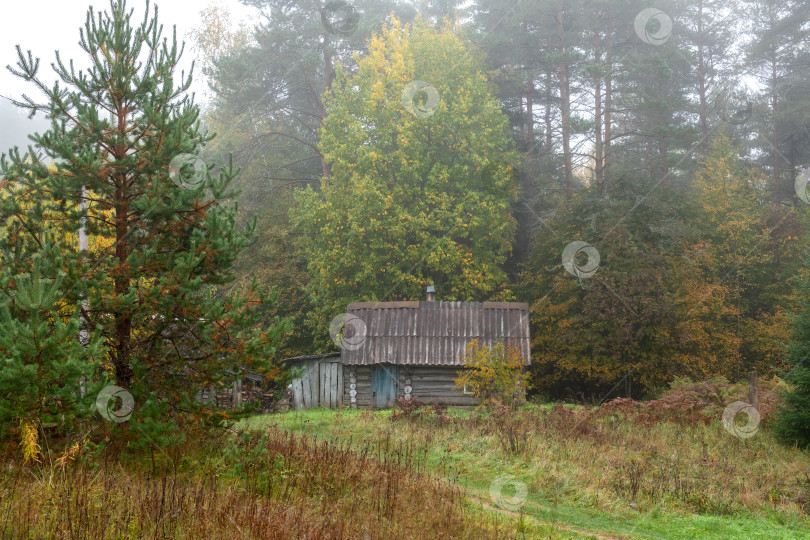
407, 349
417, 348
320, 384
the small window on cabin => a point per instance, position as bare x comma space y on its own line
467, 392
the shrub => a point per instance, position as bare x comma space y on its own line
407, 409
689, 402
494, 373
511, 428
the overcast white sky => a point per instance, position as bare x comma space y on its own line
44, 26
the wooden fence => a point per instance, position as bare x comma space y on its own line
237, 394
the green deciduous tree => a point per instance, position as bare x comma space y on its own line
421, 184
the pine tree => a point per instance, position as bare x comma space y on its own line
520, 41
126, 143
46, 375
779, 28
793, 419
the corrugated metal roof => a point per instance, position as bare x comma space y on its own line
434, 333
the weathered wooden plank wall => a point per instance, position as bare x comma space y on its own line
339, 384
320, 385
309, 380
298, 394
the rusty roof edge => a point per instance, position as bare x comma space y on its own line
311, 357
507, 305
415, 304
382, 305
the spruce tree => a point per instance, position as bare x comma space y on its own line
125, 147
793, 419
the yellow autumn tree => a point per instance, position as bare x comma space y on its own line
494, 372
734, 279
421, 185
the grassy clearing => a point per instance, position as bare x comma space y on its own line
277, 485
595, 472
352, 474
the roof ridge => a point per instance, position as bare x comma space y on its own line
414, 304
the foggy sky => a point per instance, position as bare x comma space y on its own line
44, 26
15, 127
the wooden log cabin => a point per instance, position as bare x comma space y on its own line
405, 350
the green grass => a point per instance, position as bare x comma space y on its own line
691, 481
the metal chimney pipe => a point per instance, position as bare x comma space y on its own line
431, 293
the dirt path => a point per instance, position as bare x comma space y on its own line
601, 536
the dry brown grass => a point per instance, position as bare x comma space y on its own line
276, 486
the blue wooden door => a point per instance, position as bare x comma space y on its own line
383, 385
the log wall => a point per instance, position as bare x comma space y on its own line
357, 386
435, 384
430, 384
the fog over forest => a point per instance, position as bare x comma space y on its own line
405, 269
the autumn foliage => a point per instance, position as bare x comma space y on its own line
691, 284
412, 198
494, 373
